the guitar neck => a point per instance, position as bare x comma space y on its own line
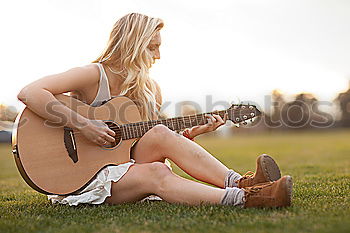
138, 129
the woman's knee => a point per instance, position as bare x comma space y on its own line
159, 170
159, 133
142, 179
159, 173
146, 175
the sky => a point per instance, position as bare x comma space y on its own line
231, 50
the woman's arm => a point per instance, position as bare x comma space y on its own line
39, 95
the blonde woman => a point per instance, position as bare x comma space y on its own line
123, 69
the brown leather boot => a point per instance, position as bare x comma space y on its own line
266, 170
271, 194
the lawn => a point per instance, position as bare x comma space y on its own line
319, 163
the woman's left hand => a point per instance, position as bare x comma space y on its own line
214, 122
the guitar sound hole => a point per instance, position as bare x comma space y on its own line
118, 133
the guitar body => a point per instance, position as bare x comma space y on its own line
53, 159
58, 160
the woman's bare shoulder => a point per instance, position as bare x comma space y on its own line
73, 79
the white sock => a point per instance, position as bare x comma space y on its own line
233, 196
231, 177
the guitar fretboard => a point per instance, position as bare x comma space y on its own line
138, 129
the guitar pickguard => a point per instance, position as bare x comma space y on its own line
69, 143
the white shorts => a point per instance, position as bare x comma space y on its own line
100, 188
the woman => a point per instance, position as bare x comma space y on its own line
122, 69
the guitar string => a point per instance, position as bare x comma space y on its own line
133, 133
185, 119
147, 125
173, 121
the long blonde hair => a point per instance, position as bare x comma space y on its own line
127, 48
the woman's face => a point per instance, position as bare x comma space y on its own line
153, 46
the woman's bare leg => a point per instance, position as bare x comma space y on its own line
156, 178
160, 143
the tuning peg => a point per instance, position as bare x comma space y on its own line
244, 122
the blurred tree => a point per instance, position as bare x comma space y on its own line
343, 100
278, 102
303, 112
300, 112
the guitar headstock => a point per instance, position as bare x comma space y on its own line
240, 113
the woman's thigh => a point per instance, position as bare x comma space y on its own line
142, 152
148, 148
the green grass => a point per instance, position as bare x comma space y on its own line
319, 163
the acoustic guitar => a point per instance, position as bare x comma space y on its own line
54, 159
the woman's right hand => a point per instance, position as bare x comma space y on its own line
98, 132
